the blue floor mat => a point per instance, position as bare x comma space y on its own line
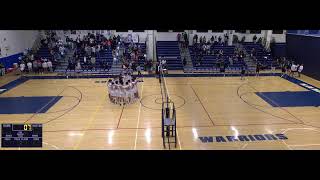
27, 105
291, 98
12, 84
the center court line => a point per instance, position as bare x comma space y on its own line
176, 127
120, 117
202, 105
135, 141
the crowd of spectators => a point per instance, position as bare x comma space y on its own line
30, 61
90, 48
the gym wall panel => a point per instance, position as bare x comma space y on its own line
306, 50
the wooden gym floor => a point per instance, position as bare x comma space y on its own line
206, 106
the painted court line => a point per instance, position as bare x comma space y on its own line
202, 105
135, 141
89, 124
56, 147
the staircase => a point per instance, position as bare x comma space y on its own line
184, 52
116, 67
251, 64
63, 63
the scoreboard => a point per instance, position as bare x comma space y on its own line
21, 135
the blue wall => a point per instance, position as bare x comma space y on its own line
313, 32
278, 49
306, 50
9, 60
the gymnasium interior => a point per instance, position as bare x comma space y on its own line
159, 89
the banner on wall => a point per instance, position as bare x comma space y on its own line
135, 38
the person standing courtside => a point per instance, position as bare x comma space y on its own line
293, 69
243, 71
300, 68
258, 69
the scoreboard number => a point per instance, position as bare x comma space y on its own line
27, 127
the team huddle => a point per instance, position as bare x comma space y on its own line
123, 90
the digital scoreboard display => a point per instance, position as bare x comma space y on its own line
21, 135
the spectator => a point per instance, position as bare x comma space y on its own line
186, 40
93, 62
230, 60
219, 39
212, 40
2, 69
184, 61
35, 66
195, 39
78, 66
49, 63
39, 65
139, 70
254, 38
32, 57
45, 66
283, 69
179, 37
226, 37
29, 65
22, 67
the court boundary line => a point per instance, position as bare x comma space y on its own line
80, 99
202, 105
181, 127
136, 138
276, 104
253, 106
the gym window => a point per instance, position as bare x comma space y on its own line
240, 31
137, 30
202, 31
217, 31
255, 31
277, 31
121, 30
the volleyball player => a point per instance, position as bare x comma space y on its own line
126, 89
110, 90
117, 92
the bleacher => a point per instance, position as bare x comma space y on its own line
171, 53
44, 52
262, 56
143, 49
210, 62
104, 57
